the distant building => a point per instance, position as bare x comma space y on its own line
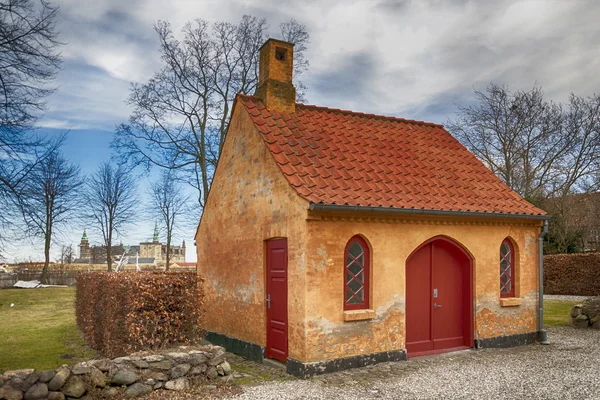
153, 252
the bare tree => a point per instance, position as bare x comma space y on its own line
67, 255
180, 116
538, 148
170, 202
111, 203
50, 199
29, 61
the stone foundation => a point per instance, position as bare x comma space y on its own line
135, 375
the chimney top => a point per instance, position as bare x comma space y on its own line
275, 67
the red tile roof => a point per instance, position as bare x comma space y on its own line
342, 157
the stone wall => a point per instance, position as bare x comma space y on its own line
133, 375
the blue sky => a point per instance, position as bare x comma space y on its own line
413, 59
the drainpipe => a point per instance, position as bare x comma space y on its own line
542, 334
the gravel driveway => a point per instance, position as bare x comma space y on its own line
568, 368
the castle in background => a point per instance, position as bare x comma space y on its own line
153, 252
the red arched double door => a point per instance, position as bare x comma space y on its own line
439, 306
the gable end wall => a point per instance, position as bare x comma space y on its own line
250, 201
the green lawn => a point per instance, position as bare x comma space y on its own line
39, 331
558, 312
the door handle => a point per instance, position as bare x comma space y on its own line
269, 301
436, 305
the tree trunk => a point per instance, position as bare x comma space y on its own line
168, 251
44, 278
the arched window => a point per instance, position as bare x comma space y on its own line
356, 274
507, 269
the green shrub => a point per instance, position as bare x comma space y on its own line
123, 312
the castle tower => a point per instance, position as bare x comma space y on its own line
84, 246
155, 237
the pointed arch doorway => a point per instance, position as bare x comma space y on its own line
439, 300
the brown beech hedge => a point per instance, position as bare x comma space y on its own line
572, 274
123, 312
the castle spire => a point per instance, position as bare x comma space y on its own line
84, 237
155, 232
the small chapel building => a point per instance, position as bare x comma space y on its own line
334, 239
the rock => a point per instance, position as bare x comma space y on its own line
10, 393
81, 369
120, 360
155, 375
37, 391
141, 364
576, 310
137, 390
158, 385
177, 384
46, 376
596, 325
28, 382
59, 379
180, 370
111, 392
198, 359
211, 387
104, 365
164, 365
217, 358
212, 373
18, 373
97, 378
226, 367
580, 322
55, 396
199, 370
179, 356
220, 370
591, 307
154, 358
124, 377
75, 387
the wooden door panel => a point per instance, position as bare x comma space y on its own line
418, 301
449, 309
277, 323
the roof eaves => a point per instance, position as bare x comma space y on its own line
422, 211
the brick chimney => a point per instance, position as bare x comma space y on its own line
275, 86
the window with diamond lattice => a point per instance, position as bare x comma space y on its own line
507, 269
356, 274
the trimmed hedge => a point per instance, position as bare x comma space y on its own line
123, 312
572, 274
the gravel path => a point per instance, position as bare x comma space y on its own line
564, 297
568, 368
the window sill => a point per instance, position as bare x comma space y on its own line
510, 301
358, 315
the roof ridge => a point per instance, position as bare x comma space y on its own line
357, 113
378, 116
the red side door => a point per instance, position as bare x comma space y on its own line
277, 318
438, 300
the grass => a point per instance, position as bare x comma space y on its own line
39, 331
558, 312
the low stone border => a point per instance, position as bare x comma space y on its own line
136, 375
586, 314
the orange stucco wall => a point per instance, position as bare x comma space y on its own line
250, 201
392, 241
